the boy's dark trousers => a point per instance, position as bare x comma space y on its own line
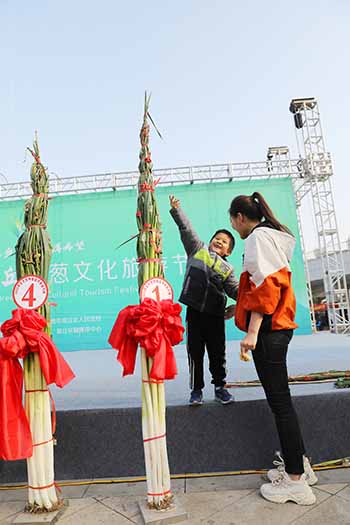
205, 331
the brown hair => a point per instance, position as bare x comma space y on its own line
256, 208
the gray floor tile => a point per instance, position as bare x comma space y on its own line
334, 511
9, 509
27, 518
77, 505
345, 493
254, 510
96, 514
341, 475
201, 505
332, 488
127, 506
248, 481
13, 495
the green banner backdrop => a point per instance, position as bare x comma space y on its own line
90, 281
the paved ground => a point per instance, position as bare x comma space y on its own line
227, 500
99, 382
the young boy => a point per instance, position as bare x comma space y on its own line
208, 279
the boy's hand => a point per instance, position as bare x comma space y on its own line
230, 311
174, 203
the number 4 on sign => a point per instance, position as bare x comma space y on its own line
29, 296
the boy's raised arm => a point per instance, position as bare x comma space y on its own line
189, 237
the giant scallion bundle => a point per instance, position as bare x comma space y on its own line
33, 255
149, 252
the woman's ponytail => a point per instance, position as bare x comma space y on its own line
255, 208
267, 213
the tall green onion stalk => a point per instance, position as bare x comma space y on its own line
33, 255
149, 252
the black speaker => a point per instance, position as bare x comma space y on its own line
298, 120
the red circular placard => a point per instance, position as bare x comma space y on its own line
156, 288
30, 292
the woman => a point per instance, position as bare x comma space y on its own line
266, 310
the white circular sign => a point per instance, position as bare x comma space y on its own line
30, 292
156, 288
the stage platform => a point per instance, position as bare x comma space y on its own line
99, 419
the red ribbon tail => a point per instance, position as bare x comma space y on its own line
125, 345
127, 356
53, 365
164, 363
15, 435
171, 362
158, 370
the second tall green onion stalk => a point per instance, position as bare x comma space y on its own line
149, 252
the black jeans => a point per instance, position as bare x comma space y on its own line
270, 358
205, 331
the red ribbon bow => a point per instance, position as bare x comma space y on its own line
156, 327
24, 334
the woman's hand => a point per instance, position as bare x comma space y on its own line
244, 356
230, 311
248, 343
250, 340
174, 202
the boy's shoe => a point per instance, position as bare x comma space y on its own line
274, 473
196, 397
223, 396
285, 489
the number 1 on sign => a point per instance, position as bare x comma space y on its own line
29, 296
156, 292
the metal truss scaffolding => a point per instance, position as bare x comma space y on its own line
278, 168
315, 179
282, 152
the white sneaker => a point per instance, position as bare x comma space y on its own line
285, 489
274, 473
